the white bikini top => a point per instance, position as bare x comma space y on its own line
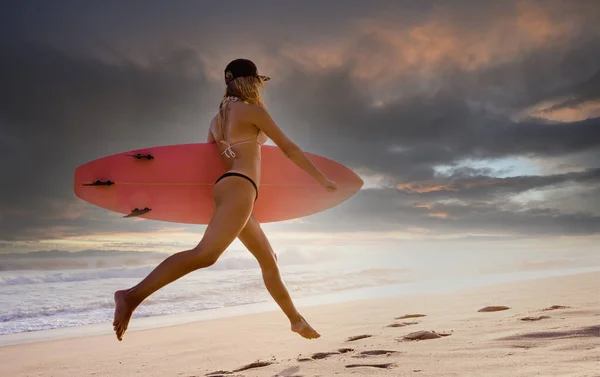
261, 138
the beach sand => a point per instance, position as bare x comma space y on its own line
500, 330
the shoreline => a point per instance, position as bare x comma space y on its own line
424, 287
564, 343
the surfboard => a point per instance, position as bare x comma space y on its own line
174, 183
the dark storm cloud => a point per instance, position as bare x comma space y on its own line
58, 112
580, 93
453, 121
408, 139
84, 80
444, 126
124, 26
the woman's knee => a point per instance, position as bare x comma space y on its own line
269, 265
205, 258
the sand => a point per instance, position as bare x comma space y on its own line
545, 327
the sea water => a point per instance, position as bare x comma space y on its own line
46, 304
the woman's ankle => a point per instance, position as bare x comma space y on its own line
295, 318
132, 297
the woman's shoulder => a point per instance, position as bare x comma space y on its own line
245, 110
254, 110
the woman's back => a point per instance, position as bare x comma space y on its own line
238, 138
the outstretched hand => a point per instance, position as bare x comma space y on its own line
329, 185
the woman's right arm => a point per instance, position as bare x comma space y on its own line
262, 119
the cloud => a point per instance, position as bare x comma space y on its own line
83, 110
392, 212
393, 90
480, 186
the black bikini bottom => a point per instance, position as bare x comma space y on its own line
234, 174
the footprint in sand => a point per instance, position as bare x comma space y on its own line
424, 335
402, 324
406, 316
324, 355
289, 372
368, 353
219, 373
583, 332
538, 318
556, 307
381, 366
257, 364
358, 337
493, 309
378, 352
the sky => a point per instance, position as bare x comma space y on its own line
475, 125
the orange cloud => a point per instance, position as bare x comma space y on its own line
550, 111
490, 182
415, 229
423, 187
318, 55
380, 52
453, 185
428, 206
440, 215
538, 26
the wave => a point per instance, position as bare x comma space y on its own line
34, 276
53, 311
83, 274
38, 277
89, 299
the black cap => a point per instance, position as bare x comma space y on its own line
242, 68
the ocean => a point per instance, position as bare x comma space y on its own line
49, 304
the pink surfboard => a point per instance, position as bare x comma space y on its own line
174, 183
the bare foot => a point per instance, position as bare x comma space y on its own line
304, 329
123, 312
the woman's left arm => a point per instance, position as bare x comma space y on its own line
211, 137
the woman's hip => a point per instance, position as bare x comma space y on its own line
233, 174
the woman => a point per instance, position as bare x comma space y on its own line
239, 129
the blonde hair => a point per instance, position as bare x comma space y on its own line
246, 89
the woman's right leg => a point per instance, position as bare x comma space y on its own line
233, 205
255, 240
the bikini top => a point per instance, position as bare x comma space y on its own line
261, 138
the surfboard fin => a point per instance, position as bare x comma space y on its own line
137, 212
140, 156
100, 183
